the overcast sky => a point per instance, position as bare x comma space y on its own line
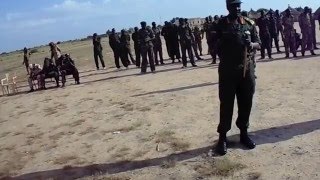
35, 22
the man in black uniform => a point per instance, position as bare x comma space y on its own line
185, 35
165, 34
97, 51
273, 29
157, 44
67, 67
146, 37
126, 47
136, 40
264, 33
174, 42
237, 36
114, 42
214, 39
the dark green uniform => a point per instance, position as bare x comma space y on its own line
231, 49
146, 37
97, 51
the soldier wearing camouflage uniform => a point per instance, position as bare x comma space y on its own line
214, 39
97, 51
288, 33
157, 44
126, 47
114, 42
237, 35
273, 29
306, 31
313, 25
193, 42
279, 24
136, 40
185, 37
146, 37
263, 23
198, 39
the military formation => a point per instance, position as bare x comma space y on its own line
234, 39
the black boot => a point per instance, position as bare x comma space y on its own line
312, 53
246, 141
221, 147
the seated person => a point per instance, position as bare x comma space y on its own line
67, 67
35, 74
298, 39
49, 71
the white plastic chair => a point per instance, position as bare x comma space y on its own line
8, 84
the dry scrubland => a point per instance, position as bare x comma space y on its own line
122, 125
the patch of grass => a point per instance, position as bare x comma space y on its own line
65, 159
31, 139
167, 136
219, 167
30, 125
94, 169
254, 176
139, 154
17, 133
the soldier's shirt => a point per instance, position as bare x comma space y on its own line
197, 35
288, 23
232, 39
135, 38
263, 24
146, 36
273, 26
114, 38
305, 21
157, 34
97, 47
185, 34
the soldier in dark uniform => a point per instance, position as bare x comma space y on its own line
198, 39
114, 42
279, 24
165, 34
126, 47
206, 30
26, 59
289, 40
157, 44
237, 35
136, 40
97, 50
264, 34
313, 26
174, 42
67, 67
273, 28
306, 31
214, 39
146, 38
193, 42
185, 37
49, 71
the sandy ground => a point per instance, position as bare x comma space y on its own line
122, 125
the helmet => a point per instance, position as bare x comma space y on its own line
233, 2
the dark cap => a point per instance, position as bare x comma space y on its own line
153, 23
95, 34
233, 1
143, 22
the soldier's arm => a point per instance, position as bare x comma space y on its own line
255, 40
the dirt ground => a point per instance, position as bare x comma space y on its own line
122, 125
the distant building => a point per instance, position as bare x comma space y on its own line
193, 22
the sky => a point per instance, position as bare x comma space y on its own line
29, 23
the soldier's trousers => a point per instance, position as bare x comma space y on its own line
314, 37
232, 84
186, 47
175, 50
307, 41
70, 71
195, 49
265, 44
290, 42
213, 46
275, 38
157, 49
199, 46
168, 45
126, 51
147, 52
98, 54
138, 55
52, 74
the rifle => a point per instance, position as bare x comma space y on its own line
245, 59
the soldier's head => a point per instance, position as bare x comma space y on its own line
136, 29
262, 13
94, 35
210, 18
154, 24
234, 7
207, 19
306, 9
277, 12
216, 17
271, 13
186, 20
288, 12
244, 13
25, 50
143, 24
166, 23
113, 30
123, 31
310, 10
181, 21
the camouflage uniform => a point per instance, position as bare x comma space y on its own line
126, 48
157, 44
97, 51
136, 40
165, 34
67, 67
114, 42
289, 35
146, 37
198, 39
185, 35
214, 40
273, 29
305, 26
313, 27
206, 29
263, 23
279, 24
26, 59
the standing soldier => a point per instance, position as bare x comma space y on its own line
306, 31
136, 40
313, 25
214, 39
165, 34
237, 35
26, 59
289, 35
198, 39
185, 36
146, 37
206, 30
126, 47
157, 44
174, 42
279, 24
273, 28
193, 42
97, 51
114, 42
263, 23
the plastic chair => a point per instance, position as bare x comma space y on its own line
8, 83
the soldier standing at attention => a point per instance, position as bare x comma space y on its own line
193, 42
214, 39
206, 31
313, 25
237, 35
263, 24
114, 42
289, 34
97, 51
306, 31
126, 47
279, 24
26, 59
198, 39
136, 40
274, 30
185, 35
165, 34
157, 44
146, 38
174, 42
